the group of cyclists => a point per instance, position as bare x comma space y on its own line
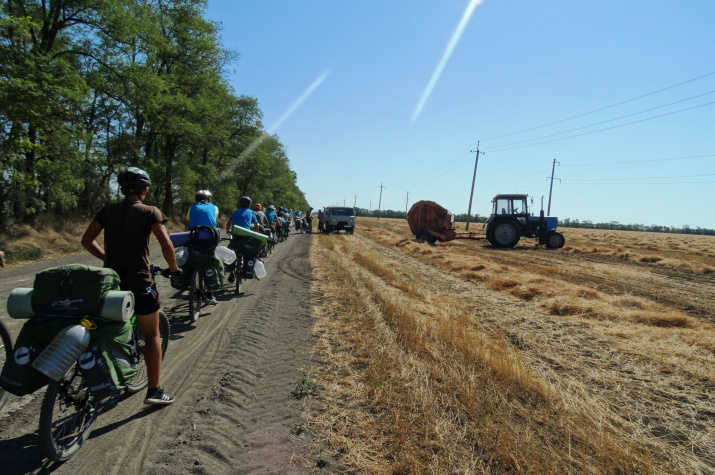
127, 228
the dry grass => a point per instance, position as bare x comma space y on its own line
50, 237
462, 359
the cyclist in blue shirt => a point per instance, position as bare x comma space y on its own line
203, 212
271, 215
244, 217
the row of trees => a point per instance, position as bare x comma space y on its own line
90, 86
654, 228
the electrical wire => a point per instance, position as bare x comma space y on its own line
602, 108
604, 129
637, 161
659, 183
605, 121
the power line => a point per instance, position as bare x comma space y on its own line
640, 183
642, 178
607, 128
603, 108
639, 161
605, 121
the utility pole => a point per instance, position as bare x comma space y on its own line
343, 201
407, 201
379, 204
355, 203
474, 177
553, 167
370, 208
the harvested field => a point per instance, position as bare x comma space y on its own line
461, 358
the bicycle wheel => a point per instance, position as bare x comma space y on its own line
140, 381
194, 296
239, 273
66, 417
5, 354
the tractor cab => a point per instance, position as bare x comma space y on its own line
512, 205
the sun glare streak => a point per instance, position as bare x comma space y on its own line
229, 170
445, 57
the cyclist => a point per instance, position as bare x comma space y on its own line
245, 218
127, 226
271, 215
260, 215
263, 223
203, 213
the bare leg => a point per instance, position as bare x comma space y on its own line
150, 329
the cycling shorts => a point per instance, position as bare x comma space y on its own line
146, 297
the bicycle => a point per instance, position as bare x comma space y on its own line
197, 286
69, 408
235, 268
197, 292
5, 354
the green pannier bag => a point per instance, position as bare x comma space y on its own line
18, 376
72, 290
107, 363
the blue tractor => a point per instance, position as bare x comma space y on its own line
510, 220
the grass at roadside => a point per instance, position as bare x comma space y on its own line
50, 238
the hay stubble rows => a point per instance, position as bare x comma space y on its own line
462, 358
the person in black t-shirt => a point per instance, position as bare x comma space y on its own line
127, 226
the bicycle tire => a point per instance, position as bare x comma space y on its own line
239, 273
5, 354
66, 416
194, 297
141, 381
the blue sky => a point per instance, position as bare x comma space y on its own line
341, 83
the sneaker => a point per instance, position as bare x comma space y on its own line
157, 396
210, 300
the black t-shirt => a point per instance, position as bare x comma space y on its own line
127, 227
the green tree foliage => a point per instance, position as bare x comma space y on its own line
90, 86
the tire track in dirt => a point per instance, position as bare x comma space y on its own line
232, 375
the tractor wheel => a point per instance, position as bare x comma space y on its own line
555, 240
490, 236
506, 233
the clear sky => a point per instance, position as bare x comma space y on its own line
621, 93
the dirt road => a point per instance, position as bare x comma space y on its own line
232, 374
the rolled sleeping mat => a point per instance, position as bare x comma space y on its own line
182, 239
239, 231
62, 352
19, 303
118, 305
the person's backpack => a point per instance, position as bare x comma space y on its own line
204, 239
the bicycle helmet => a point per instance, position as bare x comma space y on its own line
133, 180
257, 206
271, 208
245, 202
203, 195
